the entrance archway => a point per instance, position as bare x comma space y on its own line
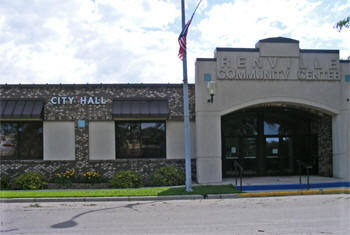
268, 139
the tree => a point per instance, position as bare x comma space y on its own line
343, 23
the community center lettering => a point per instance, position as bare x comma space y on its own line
275, 68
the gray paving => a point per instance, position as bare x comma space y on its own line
316, 214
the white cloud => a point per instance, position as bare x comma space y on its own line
85, 41
121, 41
243, 23
341, 6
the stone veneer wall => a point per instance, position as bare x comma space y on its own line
107, 168
325, 150
92, 112
323, 127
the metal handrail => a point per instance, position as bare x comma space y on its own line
239, 169
308, 167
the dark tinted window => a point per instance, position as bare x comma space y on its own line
140, 139
241, 124
21, 140
285, 122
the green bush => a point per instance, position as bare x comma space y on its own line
5, 182
167, 176
126, 179
29, 180
90, 177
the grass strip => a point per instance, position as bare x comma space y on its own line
164, 191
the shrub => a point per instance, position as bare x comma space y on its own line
66, 177
167, 176
5, 182
29, 180
90, 177
126, 179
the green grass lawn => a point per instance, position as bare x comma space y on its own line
164, 191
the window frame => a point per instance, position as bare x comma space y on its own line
18, 156
162, 155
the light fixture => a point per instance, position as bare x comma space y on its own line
211, 91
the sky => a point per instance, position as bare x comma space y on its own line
136, 41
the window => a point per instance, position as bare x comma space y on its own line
21, 140
140, 139
268, 140
241, 124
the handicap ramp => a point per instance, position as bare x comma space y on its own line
288, 183
295, 186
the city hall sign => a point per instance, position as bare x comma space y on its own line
74, 100
276, 68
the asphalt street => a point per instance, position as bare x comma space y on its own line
313, 214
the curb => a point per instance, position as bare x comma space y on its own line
182, 197
222, 196
279, 193
100, 199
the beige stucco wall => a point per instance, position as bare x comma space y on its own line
175, 146
278, 49
102, 140
341, 129
59, 140
291, 77
231, 93
208, 142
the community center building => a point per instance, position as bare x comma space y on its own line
267, 107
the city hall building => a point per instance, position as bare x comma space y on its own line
266, 107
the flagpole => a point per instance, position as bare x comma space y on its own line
186, 112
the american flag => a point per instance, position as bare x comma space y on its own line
183, 35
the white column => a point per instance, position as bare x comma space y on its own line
208, 138
341, 142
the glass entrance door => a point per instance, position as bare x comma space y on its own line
230, 153
278, 155
268, 141
248, 155
272, 156
286, 155
242, 149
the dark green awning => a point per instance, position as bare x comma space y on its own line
21, 108
140, 108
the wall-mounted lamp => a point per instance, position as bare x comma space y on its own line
211, 91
